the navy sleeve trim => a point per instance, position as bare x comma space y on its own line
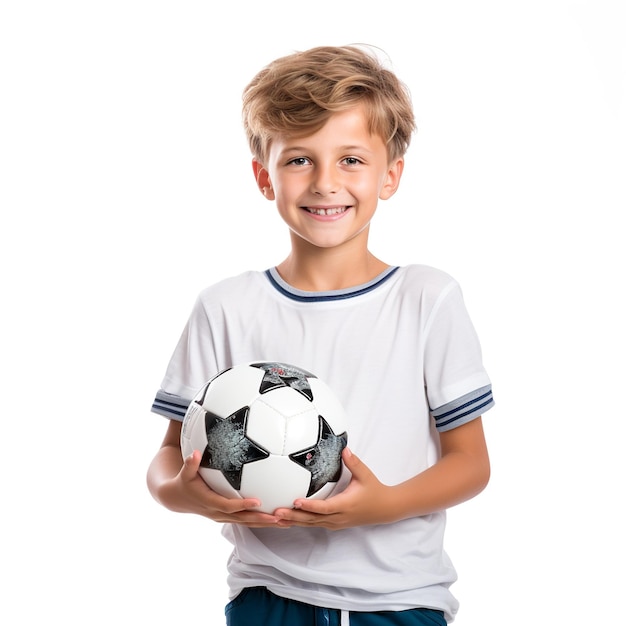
463, 409
170, 405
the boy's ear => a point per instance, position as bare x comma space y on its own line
392, 182
262, 177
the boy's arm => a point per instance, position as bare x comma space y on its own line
461, 473
176, 485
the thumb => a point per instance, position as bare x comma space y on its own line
361, 473
353, 463
191, 465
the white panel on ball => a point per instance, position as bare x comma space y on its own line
232, 389
289, 482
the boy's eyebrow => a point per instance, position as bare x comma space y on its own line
347, 148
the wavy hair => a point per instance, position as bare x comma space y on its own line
296, 94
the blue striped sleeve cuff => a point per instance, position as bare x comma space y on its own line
170, 405
463, 409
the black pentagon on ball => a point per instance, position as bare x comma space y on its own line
228, 448
284, 375
323, 459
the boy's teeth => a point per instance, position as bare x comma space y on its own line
333, 211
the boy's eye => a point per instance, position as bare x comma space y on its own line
299, 161
351, 161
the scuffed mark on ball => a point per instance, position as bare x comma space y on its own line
324, 459
228, 448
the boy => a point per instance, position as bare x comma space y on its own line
328, 129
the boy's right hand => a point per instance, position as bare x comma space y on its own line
176, 484
193, 495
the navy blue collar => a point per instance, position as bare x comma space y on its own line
326, 296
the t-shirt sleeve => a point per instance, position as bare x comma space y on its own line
193, 362
457, 386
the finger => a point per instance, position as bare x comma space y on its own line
293, 516
247, 517
235, 505
306, 511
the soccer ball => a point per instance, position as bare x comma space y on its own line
267, 430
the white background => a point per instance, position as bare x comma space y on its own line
125, 188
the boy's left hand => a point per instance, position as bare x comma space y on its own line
364, 501
462, 471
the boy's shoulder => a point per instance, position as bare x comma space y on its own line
427, 277
235, 289
230, 283
426, 286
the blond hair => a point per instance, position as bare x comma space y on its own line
296, 94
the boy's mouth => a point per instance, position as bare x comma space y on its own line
326, 210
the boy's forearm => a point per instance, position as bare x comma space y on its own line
455, 478
461, 473
166, 464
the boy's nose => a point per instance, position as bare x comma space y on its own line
324, 181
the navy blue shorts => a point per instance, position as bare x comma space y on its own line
256, 606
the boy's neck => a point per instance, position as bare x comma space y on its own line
329, 270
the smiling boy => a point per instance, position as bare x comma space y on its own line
328, 129
326, 187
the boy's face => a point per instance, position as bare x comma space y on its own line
327, 185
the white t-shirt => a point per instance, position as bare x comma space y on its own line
403, 357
